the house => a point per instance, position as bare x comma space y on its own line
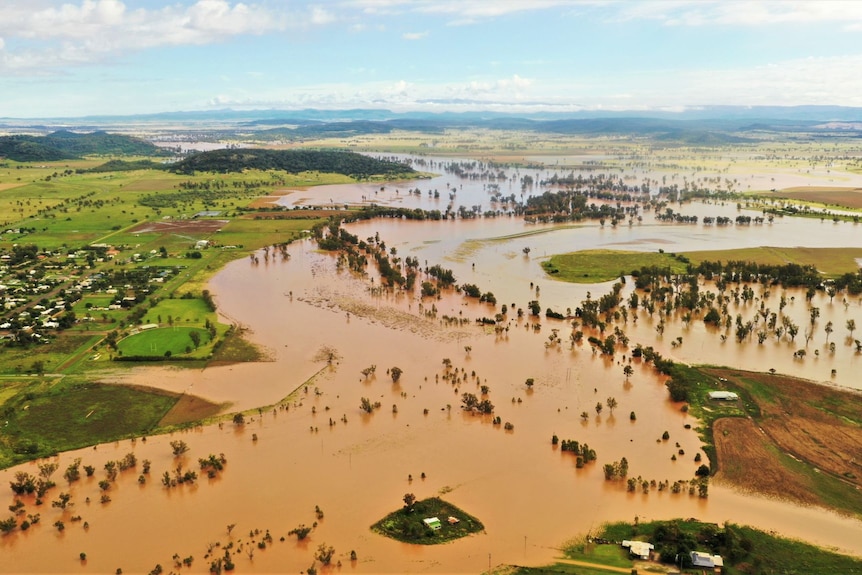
432, 523
723, 395
639, 549
700, 559
202, 244
453, 520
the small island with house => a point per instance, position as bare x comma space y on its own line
427, 522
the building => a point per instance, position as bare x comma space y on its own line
432, 523
639, 549
723, 395
700, 559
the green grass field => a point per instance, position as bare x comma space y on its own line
158, 342
597, 266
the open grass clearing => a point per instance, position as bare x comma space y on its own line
44, 419
598, 266
179, 311
47, 357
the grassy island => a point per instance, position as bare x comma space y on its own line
408, 523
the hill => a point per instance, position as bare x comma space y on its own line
293, 161
65, 145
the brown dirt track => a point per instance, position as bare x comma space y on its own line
180, 227
819, 425
845, 197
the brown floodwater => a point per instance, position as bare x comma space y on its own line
318, 449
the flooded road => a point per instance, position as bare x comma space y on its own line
314, 447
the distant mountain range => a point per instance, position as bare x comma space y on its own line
747, 113
702, 126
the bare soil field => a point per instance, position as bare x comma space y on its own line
846, 197
190, 408
9, 186
181, 227
811, 423
741, 446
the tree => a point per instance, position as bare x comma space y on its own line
612, 404
599, 407
196, 338
828, 329
851, 326
73, 472
301, 531
324, 553
409, 502
8, 525
179, 447
62, 501
584, 415
628, 371
238, 419
395, 373
24, 483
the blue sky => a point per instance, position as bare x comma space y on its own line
61, 58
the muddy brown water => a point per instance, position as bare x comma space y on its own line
529, 495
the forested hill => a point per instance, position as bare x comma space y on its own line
294, 161
65, 145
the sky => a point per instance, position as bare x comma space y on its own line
71, 58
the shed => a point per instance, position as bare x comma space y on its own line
432, 523
701, 559
723, 395
639, 549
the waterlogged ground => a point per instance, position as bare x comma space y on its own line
318, 449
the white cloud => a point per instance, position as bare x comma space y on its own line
748, 13
414, 35
92, 30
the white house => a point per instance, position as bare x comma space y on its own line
640, 549
723, 395
432, 523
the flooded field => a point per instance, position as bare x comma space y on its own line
314, 447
